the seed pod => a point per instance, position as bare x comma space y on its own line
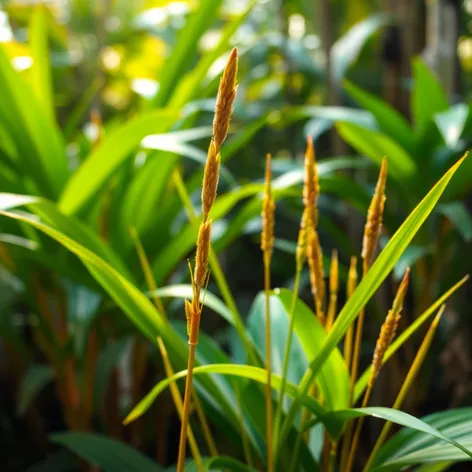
389, 328
201, 259
373, 225
210, 179
268, 209
315, 263
225, 99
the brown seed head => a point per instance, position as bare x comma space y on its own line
401, 292
201, 259
352, 277
311, 185
268, 209
388, 329
210, 179
373, 225
225, 99
303, 238
315, 263
334, 273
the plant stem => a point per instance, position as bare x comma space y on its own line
177, 398
270, 459
357, 433
288, 345
186, 409
204, 424
169, 371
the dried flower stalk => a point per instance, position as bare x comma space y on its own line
315, 263
224, 106
351, 286
333, 290
373, 225
267, 244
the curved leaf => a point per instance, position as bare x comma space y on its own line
32, 382
133, 302
367, 287
390, 120
109, 155
333, 380
336, 420
237, 370
107, 453
376, 145
409, 447
361, 384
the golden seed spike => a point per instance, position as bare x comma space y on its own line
389, 328
315, 262
303, 233
210, 179
268, 209
334, 273
373, 225
351, 286
333, 289
201, 258
225, 99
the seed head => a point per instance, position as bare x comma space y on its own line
373, 225
225, 99
303, 234
268, 209
201, 259
334, 273
388, 329
311, 185
315, 263
352, 277
210, 179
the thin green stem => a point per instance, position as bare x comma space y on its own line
270, 458
288, 345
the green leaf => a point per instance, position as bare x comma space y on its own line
237, 370
409, 447
68, 225
391, 122
38, 142
115, 148
376, 145
134, 303
428, 96
361, 384
451, 123
181, 57
33, 381
370, 283
346, 49
460, 217
108, 454
336, 420
41, 68
333, 380
107, 362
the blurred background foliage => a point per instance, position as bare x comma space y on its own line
107, 104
